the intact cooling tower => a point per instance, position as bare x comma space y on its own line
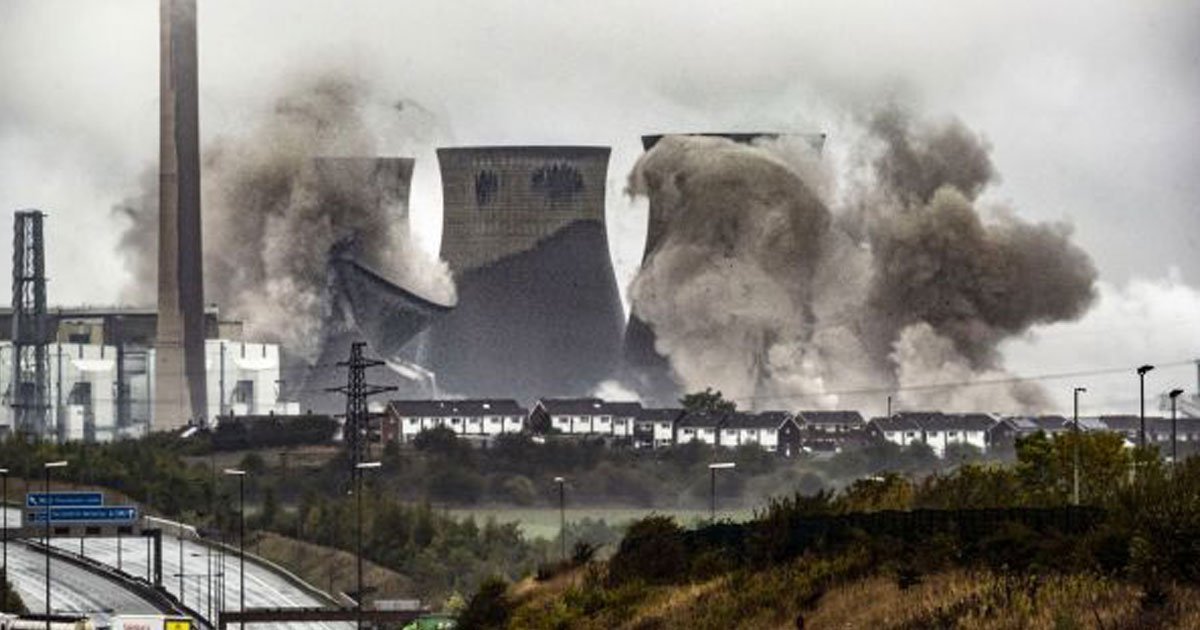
179, 387
643, 367
538, 310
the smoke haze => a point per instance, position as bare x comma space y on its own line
762, 290
1089, 109
272, 216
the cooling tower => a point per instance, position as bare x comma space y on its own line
644, 369
538, 310
179, 387
363, 305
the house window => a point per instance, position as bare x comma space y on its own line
494, 420
454, 421
910, 434
689, 432
952, 434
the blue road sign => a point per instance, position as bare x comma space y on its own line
113, 514
64, 499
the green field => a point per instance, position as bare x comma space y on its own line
543, 522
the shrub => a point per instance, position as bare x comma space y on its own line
652, 551
488, 608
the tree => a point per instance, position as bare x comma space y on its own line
707, 400
438, 440
489, 606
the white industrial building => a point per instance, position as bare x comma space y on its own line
82, 389
243, 379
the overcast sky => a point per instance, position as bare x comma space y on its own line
1093, 111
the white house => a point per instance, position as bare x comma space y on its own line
897, 429
699, 426
942, 430
753, 429
655, 428
478, 418
588, 416
826, 422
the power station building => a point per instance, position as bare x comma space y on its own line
538, 309
100, 372
643, 368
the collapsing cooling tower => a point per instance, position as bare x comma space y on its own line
644, 369
538, 310
363, 305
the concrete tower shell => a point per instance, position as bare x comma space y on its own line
500, 201
643, 367
363, 305
538, 310
179, 389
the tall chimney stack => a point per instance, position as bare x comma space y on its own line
179, 383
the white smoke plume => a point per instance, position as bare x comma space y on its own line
763, 288
271, 219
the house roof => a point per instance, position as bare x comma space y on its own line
1033, 424
957, 422
895, 423
702, 419
588, 407
852, 418
762, 420
448, 408
660, 414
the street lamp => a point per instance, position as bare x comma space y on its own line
1075, 494
49, 515
1174, 454
562, 515
241, 475
358, 469
712, 486
4, 474
1141, 372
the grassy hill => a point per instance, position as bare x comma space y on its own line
776, 597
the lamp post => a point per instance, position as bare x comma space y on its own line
358, 470
1075, 493
49, 516
562, 515
241, 475
712, 486
1174, 453
4, 474
1141, 372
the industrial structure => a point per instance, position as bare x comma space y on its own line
643, 368
363, 305
180, 388
28, 389
538, 309
100, 380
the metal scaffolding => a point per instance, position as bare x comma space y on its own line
29, 391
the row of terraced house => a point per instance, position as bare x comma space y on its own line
783, 432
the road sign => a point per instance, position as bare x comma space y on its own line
64, 499
84, 515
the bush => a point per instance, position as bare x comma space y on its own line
652, 551
488, 608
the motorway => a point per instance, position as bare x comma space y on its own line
72, 588
82, 591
